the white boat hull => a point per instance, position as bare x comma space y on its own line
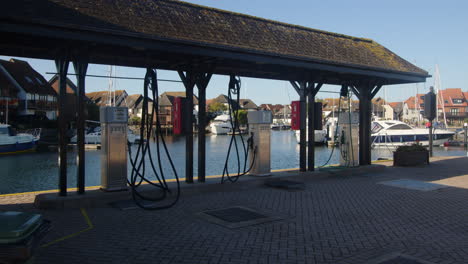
320, 136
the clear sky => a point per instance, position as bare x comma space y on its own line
425, 33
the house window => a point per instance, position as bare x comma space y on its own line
29, 96
39, 80
457, 101
454, 111
421, 105
28, 79
446, 101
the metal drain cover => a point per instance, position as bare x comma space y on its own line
396, 258
285, 184
238, 216
414, 185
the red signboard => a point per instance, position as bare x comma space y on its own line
295, 115
177, 116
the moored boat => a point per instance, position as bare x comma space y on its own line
11, 142
394, 133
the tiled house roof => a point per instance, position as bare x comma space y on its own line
247, 104
167, 98
449, 94
101, 98
26, 77
185, 23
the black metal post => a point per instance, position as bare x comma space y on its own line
62, 69
311, 131
364, 124
303, 124
81, 66
189, 80
430, 138
202, 84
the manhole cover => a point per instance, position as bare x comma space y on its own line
414, 185
238, 216
235, 214
401, 260
397, 258
285, 184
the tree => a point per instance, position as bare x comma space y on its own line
134, 120
217, 107
241, 116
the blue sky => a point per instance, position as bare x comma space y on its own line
425, 33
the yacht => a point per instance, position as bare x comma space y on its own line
94, 137
397, 133
320, 136
221, 125
10, 142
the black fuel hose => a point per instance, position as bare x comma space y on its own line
242, 160
138, 163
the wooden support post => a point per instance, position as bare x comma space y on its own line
311, 132
365, 93
202, 83
62, 64
80, 66
189, 80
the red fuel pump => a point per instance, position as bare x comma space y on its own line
177, 124
295, 115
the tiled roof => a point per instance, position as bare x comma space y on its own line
167, 98
247, 104
453, 93
7, 87
182, 22
26, 77
101, 98
71, 87
133, 100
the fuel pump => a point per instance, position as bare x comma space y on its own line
349, 138
113, 148
260, 134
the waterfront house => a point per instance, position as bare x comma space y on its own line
34, 95
399, 108
455, 103
452, 100
281, 113
166, 103
8, 98
70, 98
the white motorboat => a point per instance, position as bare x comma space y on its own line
94, 137
221, 125
396, 133
320, 136
10, 142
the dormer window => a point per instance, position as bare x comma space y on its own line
39, 80
457, 101
28, 79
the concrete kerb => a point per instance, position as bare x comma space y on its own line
98, 198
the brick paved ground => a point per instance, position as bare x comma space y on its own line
335, 219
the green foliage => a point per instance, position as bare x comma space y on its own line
241, 116
217, 107
134, 121
411, 148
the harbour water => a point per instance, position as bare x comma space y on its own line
39, 171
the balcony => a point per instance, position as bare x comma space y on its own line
456, 115
38, 104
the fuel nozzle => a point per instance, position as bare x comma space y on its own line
344, 90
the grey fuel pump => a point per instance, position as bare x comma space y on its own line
260, 131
